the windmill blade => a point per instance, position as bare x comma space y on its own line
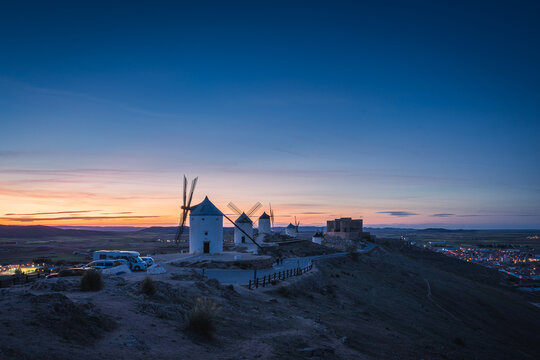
180, 230
242, 230
185, 190
185, 207
271, 215
253, 209
193, 184
234, 208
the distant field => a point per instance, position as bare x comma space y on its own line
61, 245
68, 248
465, 237
22, 244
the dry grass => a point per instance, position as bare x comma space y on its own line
91, 281
148, 286
202, 317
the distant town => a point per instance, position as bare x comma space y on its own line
522, 263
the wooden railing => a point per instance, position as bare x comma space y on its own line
272, 279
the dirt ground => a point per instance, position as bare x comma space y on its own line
394, 303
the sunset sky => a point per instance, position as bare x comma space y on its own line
420, 114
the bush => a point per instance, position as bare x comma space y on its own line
91, 281
284, 291
66, 272
148, 286
202, 317
18, 272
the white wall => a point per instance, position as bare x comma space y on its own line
248, 228
291, 232
205, 228
316, 240
264, 226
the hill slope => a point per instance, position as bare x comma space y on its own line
40, 231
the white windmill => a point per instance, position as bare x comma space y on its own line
243, 225
205, 224
318, 237
266, 222
292, 230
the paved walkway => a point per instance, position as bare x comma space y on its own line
242, 277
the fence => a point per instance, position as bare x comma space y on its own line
272, 279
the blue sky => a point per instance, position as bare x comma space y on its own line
381, 110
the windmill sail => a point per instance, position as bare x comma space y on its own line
185, 208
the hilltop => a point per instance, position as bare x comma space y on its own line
41, 231
395, 302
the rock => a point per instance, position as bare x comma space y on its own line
316, 351
156, 269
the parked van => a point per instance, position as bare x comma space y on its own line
104, 264
132, 257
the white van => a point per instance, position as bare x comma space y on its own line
132, 257
106, 264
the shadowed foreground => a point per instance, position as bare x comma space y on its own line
393, 303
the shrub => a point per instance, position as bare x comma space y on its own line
18, 272
459, 341
91, 281
65, 272
284, 291
148, 286
202, 317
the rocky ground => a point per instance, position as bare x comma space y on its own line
393, 303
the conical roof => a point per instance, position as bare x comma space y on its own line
205, 208
291, 226
244, 219
264, 216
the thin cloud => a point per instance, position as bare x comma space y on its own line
53, 213
443, 215
118, 213
504, 215
33, 219
397, 213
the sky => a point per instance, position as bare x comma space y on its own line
416, 114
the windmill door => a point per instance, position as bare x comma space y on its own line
243, 239
206, 248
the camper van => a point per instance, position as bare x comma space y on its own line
106, 264
132, 257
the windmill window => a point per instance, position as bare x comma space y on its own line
202, 219
206, 233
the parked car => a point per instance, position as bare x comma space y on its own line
148, 260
